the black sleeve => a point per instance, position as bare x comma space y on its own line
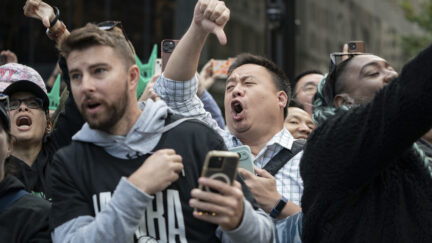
35, 210
353, 147
69, 121
68, 198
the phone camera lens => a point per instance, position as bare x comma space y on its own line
352, 46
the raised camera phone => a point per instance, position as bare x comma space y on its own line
246, 160
220, 67
356, 46
219, 165
167, 47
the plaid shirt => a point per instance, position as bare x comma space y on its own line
182, 99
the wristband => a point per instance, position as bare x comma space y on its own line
53, 35
57, 14
277, 209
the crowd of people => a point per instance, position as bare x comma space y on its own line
340, 157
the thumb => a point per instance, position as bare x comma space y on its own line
46, 22
263, 173
245, 174
220, 34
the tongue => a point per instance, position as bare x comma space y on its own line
24, 121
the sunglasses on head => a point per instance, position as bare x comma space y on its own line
110, 25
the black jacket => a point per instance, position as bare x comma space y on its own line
69, 122
85, 176
363, 181
26, 219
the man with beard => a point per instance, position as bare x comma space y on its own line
127, 176
256, 97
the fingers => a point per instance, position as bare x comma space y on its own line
220, 34
167, 151
247, 175
46, 22
220, 186
203, 4
263, 173
210, 9
223, 18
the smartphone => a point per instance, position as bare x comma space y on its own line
220, 67
219, 165
158, 66
356, 46
246, 159
167, 48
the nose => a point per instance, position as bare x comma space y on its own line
389, 76
87, 84
22, 107
237, 91
305, 129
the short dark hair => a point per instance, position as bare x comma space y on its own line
295, 103
304, 73
279, 78
92, 35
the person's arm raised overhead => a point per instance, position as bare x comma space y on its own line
49, 17
210, 16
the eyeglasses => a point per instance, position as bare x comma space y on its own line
31, 102
4, 101
338, 57
110, 25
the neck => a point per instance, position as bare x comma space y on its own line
125, 124
27, 152
257, 140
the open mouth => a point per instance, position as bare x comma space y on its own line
237, 107
92, 105
23, 121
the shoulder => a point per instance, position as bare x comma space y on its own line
196, 134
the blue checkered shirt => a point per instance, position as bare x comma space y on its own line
182, 99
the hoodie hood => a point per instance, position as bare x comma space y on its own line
142, 137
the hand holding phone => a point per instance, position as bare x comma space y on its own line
221, 166
246, 159
356, 47
167, 49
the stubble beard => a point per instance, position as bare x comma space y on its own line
114, 113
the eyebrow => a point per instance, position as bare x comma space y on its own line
241, 78
91, 66
309, 83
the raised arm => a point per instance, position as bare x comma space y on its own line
210, 16
352, 148
38, 9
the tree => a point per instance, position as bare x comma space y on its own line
411, 45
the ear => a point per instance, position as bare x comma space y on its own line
343, 99
283, 99
49, 126
133, 76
